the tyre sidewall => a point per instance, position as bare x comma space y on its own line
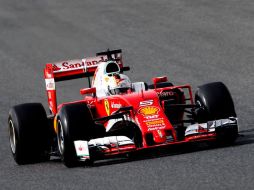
216, 101
77, 122
31, 132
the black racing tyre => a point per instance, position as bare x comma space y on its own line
214, 101
29, 133
160, 85
75, 122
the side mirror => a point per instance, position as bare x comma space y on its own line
85, 91
127, 68
159, 79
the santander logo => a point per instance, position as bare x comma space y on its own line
68, 65
56, 68
77, 64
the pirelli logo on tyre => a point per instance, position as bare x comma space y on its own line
148, 110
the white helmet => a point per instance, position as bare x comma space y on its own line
119, 84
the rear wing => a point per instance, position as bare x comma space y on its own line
73, 69
79, 68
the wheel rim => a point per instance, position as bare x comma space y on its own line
12, 136
199, 103
60, 137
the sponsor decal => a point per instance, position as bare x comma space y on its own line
93, 61
106, 104
82, 149
198, 129
56, 68
165, 94
202, 129
148, 110
79, 64
156, 128
159, 122
116, 105
68, 65
160, 133
155, 124
194, 137
73, 65
150, 117
146, 103
50, 84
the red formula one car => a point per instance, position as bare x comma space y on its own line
117, 116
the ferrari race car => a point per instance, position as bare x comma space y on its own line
117, 116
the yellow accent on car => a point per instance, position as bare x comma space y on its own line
156, 122
106, 104
148, 110
55, 125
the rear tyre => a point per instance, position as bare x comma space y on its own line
75, 122
215, 102
29, 133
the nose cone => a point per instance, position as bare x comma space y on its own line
159, 136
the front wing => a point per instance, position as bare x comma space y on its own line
117, 145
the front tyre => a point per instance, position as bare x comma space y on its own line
75, 122
215, 102
29, 133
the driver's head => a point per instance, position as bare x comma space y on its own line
119, 84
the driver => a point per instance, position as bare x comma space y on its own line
119, 84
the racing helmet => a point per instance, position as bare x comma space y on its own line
119, 84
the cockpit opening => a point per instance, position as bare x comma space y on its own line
112, 67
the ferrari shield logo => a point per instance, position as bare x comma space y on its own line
106, 104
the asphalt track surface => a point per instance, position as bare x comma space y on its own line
189, 41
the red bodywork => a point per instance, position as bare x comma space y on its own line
148, 110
